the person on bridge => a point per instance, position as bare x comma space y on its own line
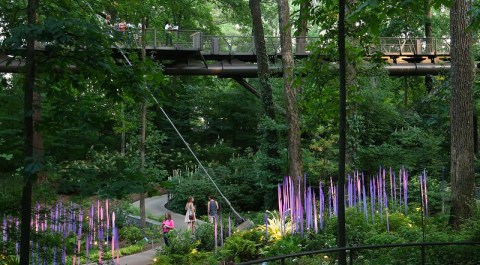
168, 34
108, 19
190, 215
122, 26
167, 225
212, 208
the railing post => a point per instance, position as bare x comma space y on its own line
215, 45
155, 38
197, 40
282, 261
301, 44
418, 46
350, 255
423, 254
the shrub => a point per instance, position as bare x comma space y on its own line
163, 260
356, 226
131, 234
200, 258
286, 245
11, 259
181, 243
320, 241
238, 249
254, 235
205, 235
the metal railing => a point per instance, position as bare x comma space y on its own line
180, 39
154, 38
244, 45
354, 254
241, 45
414, 46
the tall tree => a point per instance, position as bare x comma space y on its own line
461, 114
291, 90
143, 214
303, 26
342, 145
29, 170
427, 8
269, 135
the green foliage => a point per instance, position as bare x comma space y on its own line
10, 259
286, 245
194, 258
201, 258
181, 243
5, 156
132, 249
356, 226
131, 234
10, 194
204, 233
241, 181
237, 249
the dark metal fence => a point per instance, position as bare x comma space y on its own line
465, 253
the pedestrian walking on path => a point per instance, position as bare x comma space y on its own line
155, 206
190, 215
212, 209
167, 225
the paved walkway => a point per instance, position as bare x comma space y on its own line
155, 206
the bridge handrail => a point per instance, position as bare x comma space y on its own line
244, 45
352, 249
179, 38
414, 46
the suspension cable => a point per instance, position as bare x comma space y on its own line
238, 218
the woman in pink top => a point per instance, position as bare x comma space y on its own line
167, 225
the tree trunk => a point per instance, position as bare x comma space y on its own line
302, 27
291, 92
123, 137
143, 214
461, 114
428, 35
269, 135
29, 173
351, 78
38, 152
341, 234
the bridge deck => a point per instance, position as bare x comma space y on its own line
192, 53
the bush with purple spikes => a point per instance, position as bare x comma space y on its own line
386, 195
65, 234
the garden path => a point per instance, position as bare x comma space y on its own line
154, 206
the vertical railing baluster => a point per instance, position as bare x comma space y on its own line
155, 38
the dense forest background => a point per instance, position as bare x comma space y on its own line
392, 121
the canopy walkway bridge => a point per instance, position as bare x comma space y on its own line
185, 52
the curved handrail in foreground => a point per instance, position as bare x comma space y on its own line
352, 249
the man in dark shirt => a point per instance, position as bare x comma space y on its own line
212, 208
